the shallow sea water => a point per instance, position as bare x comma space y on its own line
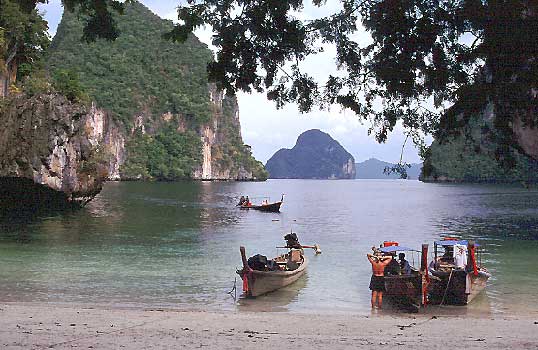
176, 245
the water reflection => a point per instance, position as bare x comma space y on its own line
279, 300
177, 244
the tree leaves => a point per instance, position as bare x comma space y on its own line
139, 72
422, 51
168, 155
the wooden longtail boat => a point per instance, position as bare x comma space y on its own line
262, 276
408, 291
256, 282
266, 207
453, 285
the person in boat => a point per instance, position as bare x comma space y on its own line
377, 282
241, 200
405, 268
393, 268
247, 202
448, 256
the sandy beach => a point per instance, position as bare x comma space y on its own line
28, 326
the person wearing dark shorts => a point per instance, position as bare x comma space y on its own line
377, 282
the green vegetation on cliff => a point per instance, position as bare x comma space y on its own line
142, 74
168, 155
234, 154
139, 72
471, 157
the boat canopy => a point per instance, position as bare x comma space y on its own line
396, 248
447, 243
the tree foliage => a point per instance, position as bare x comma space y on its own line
139, 71
168, 155
421, 52
467, 158
68, 84
24, 37
135, 72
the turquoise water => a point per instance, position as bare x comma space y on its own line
176, 245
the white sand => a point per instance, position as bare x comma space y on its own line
28, 326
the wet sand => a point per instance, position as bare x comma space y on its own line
30, 326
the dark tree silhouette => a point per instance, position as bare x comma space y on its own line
423, 52
23, 31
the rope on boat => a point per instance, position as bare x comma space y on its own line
233, 290
447, 285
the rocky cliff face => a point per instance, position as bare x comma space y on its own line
149, 84
316, 155
472, 155
54, 152
223, 155
527, 136
219, 135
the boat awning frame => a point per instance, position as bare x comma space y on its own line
448, 243
396, 248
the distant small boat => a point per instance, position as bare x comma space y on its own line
261, 276
267, 207
456, 280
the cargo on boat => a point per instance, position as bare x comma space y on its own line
457, 275
261, 276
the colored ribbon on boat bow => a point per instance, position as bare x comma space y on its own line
246, 275
473, 260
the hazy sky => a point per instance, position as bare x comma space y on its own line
268, 129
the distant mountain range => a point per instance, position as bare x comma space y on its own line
373, 169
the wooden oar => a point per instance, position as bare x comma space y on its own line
316, 248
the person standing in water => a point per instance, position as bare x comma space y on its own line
377, 282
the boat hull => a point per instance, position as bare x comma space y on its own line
272, 207
405, 290
456, 287
262, 282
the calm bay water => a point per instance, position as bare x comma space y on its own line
176, 245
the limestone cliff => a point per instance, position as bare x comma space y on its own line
54, 152
472, 155
223, 154
151, 87
225, 157
316, 155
